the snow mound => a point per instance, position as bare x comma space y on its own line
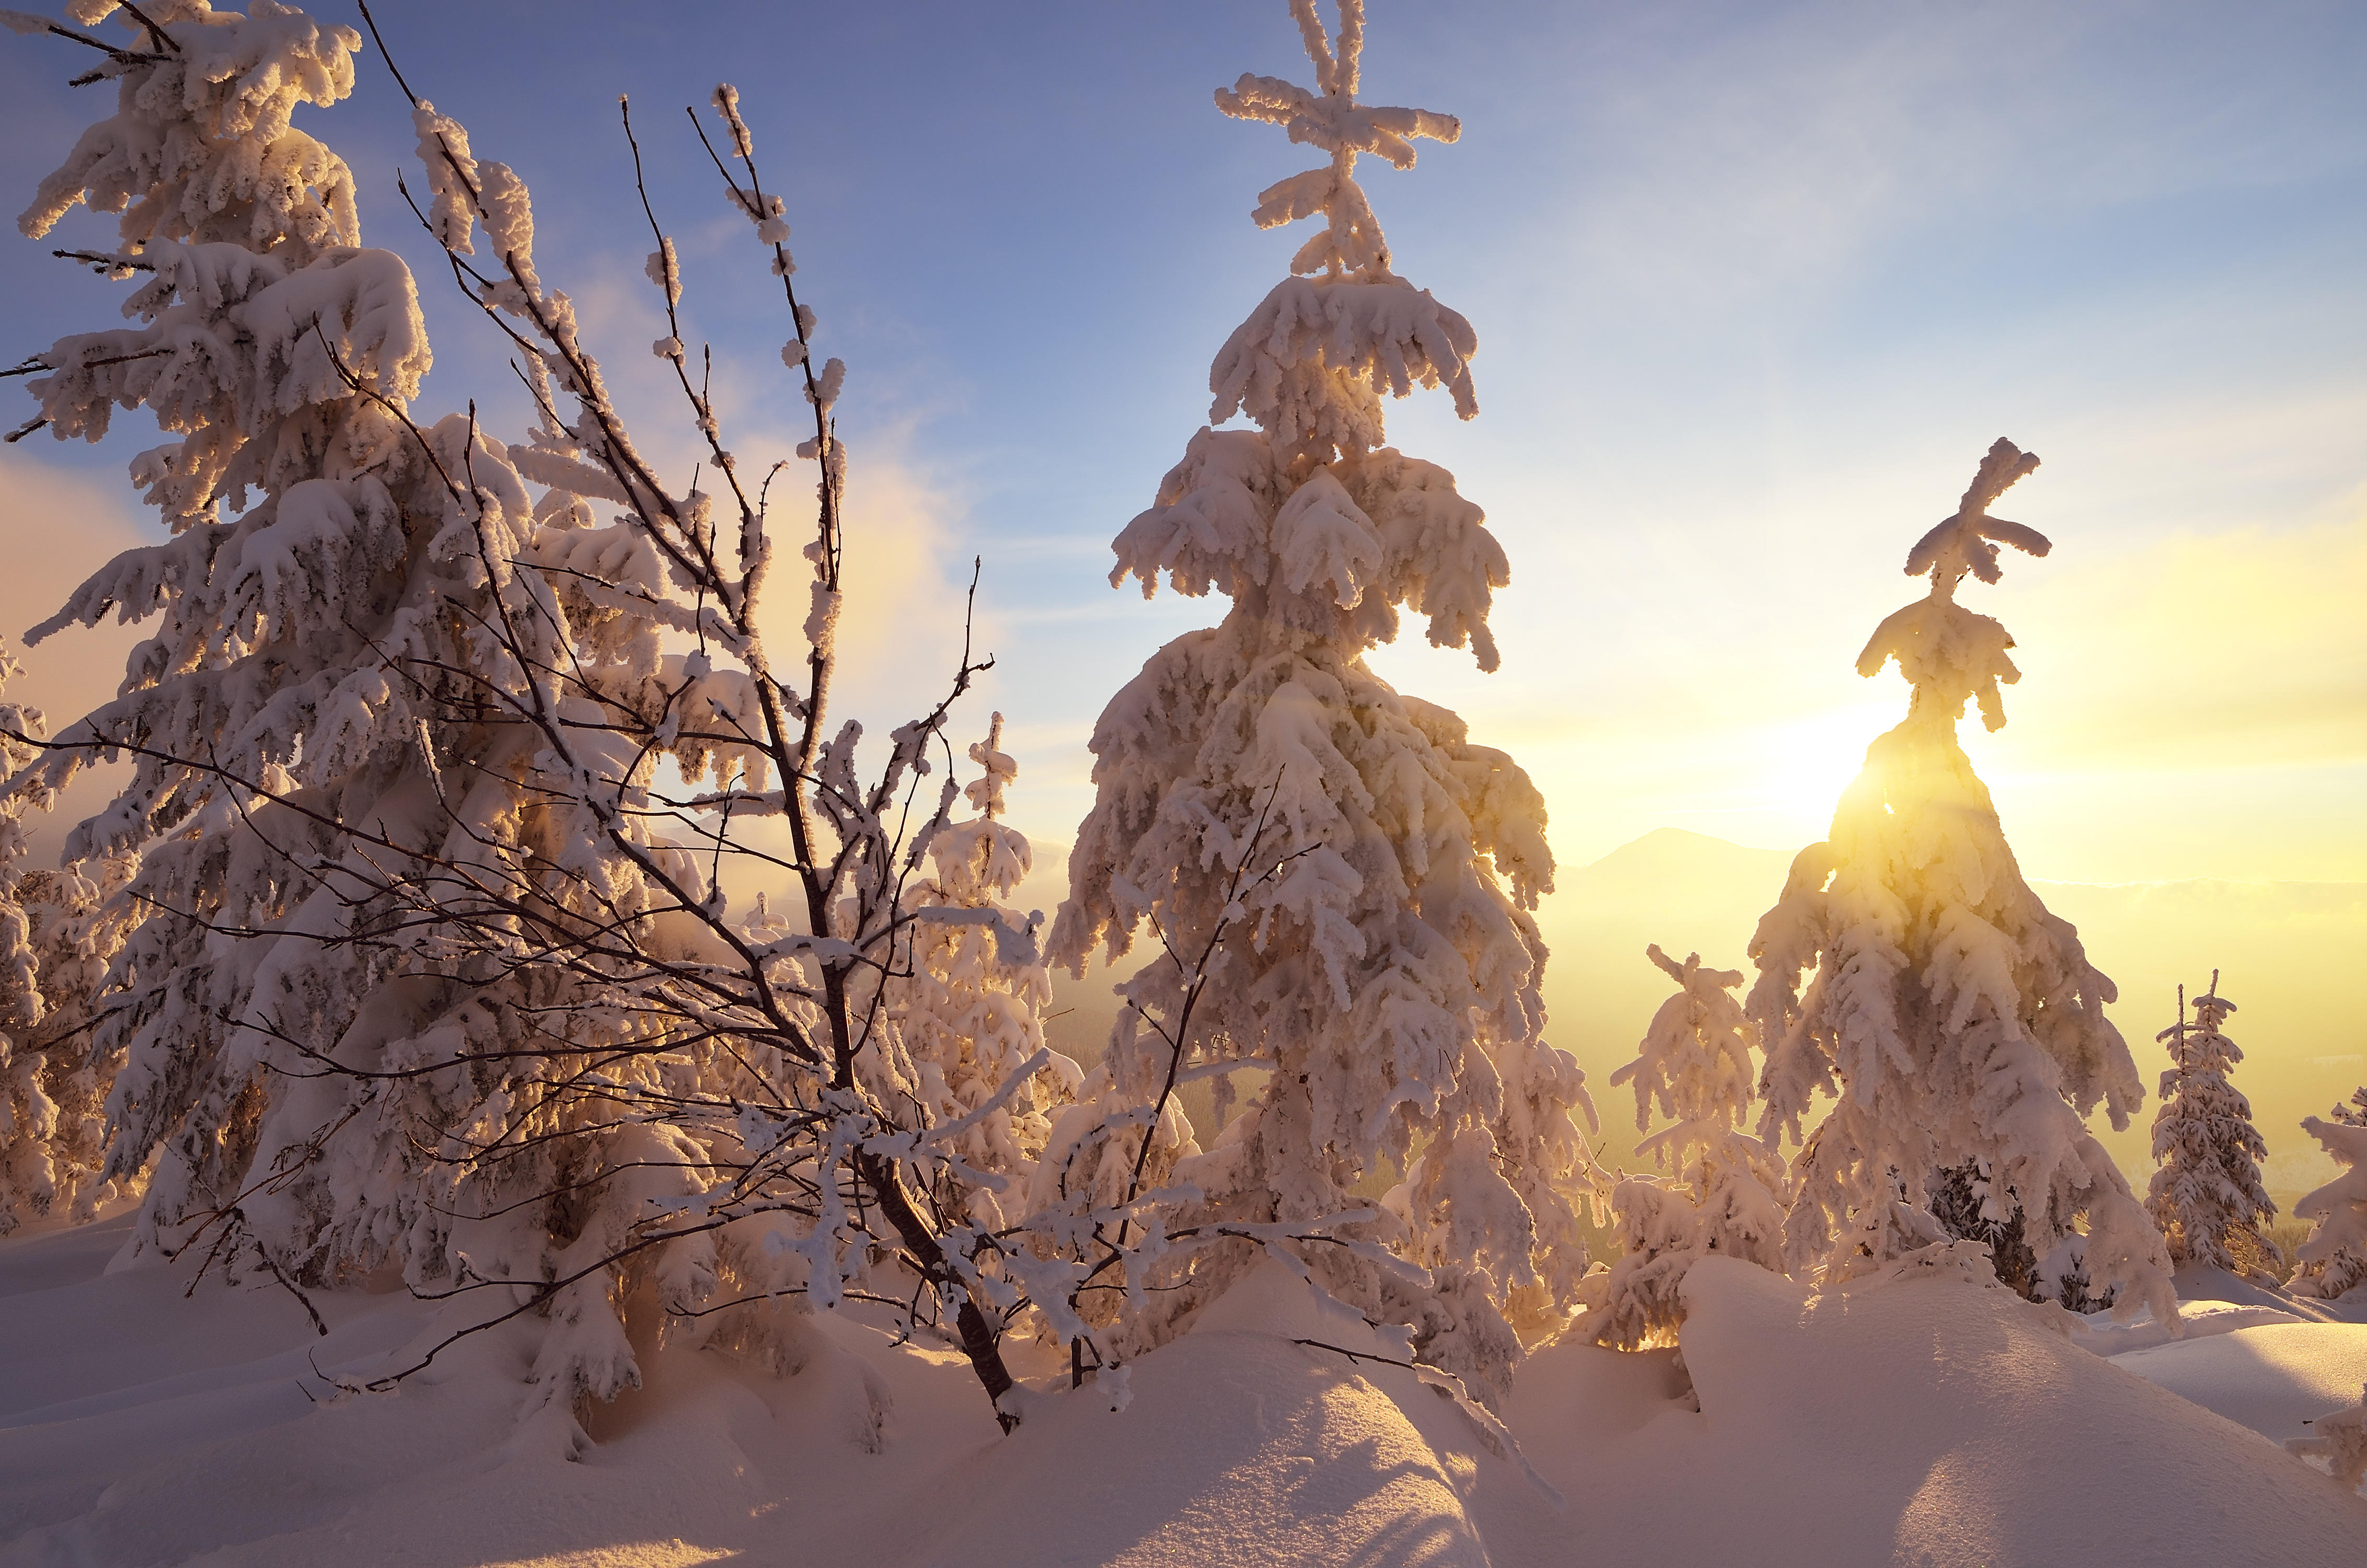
2197, 1283
138, 1427
2273, 1378
1926, 1422
1240, 1449
2196, 1320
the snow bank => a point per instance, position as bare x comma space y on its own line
2273, 1378
1925, 1422
2196, 1320
1240, 1449
138, 1427
2213, 1301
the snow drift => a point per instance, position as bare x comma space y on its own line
1926, 1422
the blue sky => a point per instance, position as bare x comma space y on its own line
1755, 285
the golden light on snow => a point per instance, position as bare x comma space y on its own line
670, 1553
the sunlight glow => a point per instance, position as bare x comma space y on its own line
1801, 766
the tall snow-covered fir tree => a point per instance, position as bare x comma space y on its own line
1720, 1197
2207, 1194
2333, 1261
1385, 980
1953, 1019
313, 550
320, 1063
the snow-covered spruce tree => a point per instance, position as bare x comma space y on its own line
28, 1114
315, 548
2207, 1194
58, 928
1955, 1019
426, 983
326, 765
1960, 1201
2354, 1112
970, 1021
1386, 978
1720, 1198
2334, 1259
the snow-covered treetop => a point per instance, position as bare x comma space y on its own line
265, 339
2211, 1010
1309, 364
1967, 539
1948, 653
985, 792
1351, 244
1310, 523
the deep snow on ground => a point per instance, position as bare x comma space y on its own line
1919, 1422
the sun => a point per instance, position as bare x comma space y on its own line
1797, 769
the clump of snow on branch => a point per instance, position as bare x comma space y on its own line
2340, 1440
2207, 1194
1948, 1014
1721, 1193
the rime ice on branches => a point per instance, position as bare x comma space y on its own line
1954, 1020
1385, 978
